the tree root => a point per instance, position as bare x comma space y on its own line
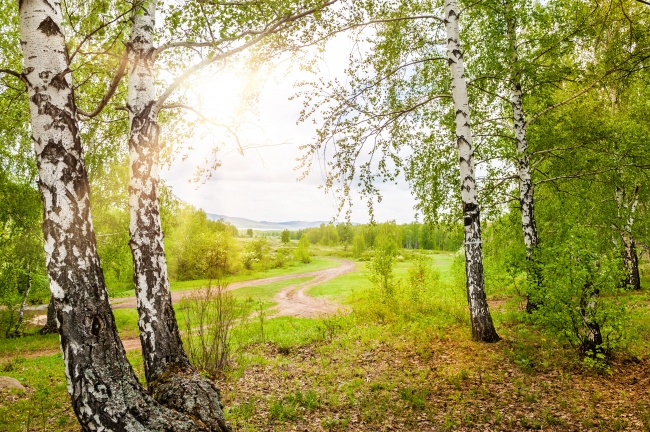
186, 391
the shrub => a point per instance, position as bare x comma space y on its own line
210, 314
421, 277
302, 253
381, 274
579, 300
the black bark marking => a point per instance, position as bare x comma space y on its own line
59, 82
49, 27
469, 207
96, 325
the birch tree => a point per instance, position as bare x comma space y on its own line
105, 392
391, 116
482, 326
171, 378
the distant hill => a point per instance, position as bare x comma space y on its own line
243, 223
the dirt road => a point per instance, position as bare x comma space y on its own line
291, 301
294, 301
320, 276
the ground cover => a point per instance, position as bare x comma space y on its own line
404, 365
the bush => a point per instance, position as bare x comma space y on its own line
381, 274
422, 278
579, 300
358, 246
302, 253
210, 314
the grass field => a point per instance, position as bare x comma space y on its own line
398, 365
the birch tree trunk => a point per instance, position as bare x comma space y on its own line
105, 392
50, 323
629, 254
482, 325
593, 339
171, 378
631, 261
526, 187
21, 313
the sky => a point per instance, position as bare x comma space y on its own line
261, 183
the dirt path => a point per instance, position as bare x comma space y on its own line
319, 275
291, 301
294, 301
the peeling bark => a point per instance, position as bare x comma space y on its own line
171, 378
526, 186
482, 325
105, 392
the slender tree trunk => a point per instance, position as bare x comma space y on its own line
629, 254
21, 313
631, 261
593, 340
526, 187
482, 325
50, 323
171, 378
105, 392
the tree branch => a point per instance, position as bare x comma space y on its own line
367, 23
272, 29
207, 120
111, 90
574, 176
13, 73
575, 96
92, 33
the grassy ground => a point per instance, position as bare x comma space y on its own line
291, 268
400, 365
317, 263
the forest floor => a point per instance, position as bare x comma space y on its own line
406, 365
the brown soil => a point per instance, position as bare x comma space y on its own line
294, 301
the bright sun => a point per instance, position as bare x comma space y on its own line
219, 97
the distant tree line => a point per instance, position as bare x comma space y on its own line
408, 236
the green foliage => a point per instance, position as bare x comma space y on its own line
580, 300
388, 238
422, 280
381, 275
22, 259
358, 246
286, 237
325, 235
302, 252
257, 255
200, 248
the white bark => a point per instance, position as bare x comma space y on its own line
630, 257
171, 378
161, 343
482, 326
526, 185
105, 392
